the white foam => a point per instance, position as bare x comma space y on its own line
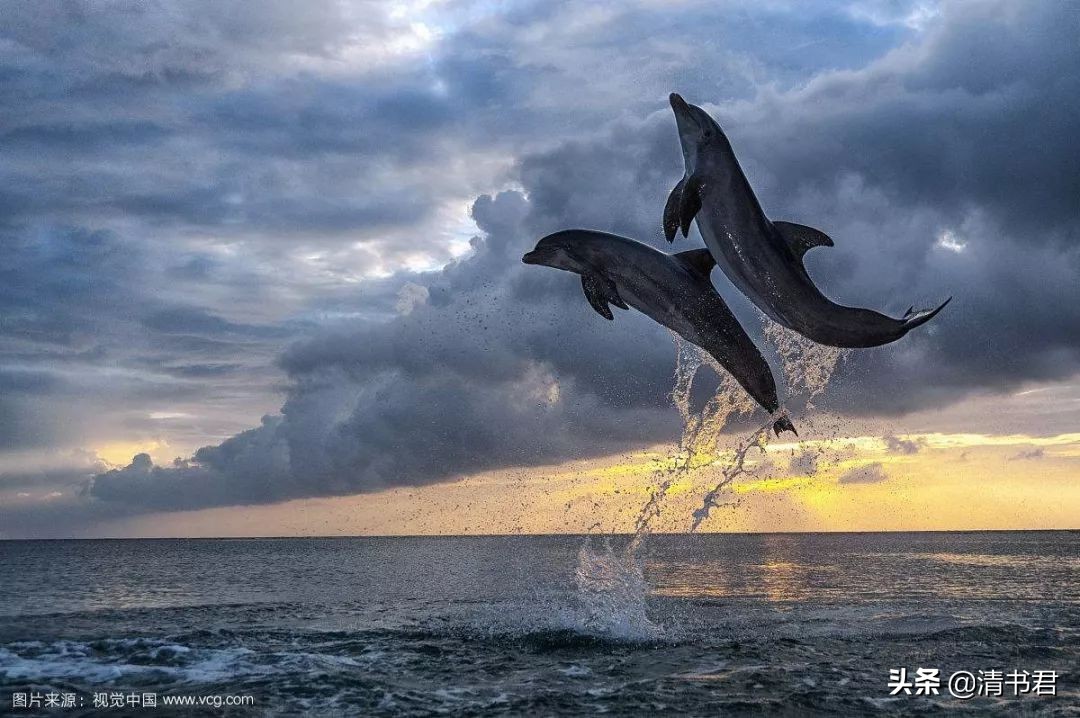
612, 591
105, 662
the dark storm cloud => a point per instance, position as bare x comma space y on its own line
464, 382
175, 168
964, 136
981, 114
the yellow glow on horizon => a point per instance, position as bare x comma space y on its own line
766, 486
952, 482
120, 453
988, 462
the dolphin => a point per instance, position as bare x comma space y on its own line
762, 258
672, 289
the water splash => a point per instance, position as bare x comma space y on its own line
733, 468
612, 591
702, 428
808, 366
611, 583
652, 509
700, 432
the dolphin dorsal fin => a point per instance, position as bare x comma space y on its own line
698, 261
600, 291
801, 238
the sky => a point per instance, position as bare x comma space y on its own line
260, 269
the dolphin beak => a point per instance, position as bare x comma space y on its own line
532, 257
684, 114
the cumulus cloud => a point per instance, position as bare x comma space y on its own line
498, 367
220, 186
865, 474
615, 180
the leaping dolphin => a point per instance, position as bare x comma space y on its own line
763, 259
673, 289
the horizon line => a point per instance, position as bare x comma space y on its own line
541, 535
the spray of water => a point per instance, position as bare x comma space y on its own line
702, 428
730, 469
807, 366
612, 591
700, 432
611, 583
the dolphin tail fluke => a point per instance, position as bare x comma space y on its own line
784, 424
915, 319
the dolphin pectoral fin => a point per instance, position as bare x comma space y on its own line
671, 211
595, 295
801, 238
601, 291
689, 203
698, 261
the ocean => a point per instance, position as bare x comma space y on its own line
796, 624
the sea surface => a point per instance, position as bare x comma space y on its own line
795, 624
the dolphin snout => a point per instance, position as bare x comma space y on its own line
685, 113
532, 257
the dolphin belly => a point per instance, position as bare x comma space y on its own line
737, 353
731, 261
